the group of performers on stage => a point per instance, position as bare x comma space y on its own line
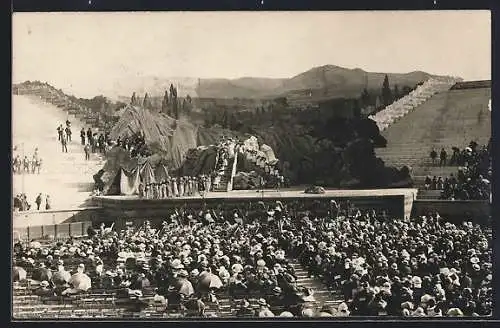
176, 187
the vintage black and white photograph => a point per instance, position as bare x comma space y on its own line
174, 165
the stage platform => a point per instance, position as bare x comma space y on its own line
397, 202
273, 193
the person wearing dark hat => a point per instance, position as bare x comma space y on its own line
60, 131
107, 281
45, 289
277, 298
82, 136
361, 300
41, 273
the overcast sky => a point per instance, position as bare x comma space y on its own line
85, 52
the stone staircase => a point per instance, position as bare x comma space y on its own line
401, 107
447, 119
225, 178
66, 177
323, 295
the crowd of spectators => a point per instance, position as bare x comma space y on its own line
419, 267
459, 157
382, 266
474, 176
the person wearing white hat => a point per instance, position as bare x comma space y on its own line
176, 264
237, 268
80, 281
343, 310
245, 310
224, 275
454, 312
195, 273
62, 277
264, 311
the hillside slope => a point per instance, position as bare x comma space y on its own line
331, 80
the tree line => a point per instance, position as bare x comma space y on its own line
171, 104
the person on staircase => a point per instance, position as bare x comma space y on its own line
89, 136
34, 161
64, 143
16, 164
433, 156
26, 164
48, 205
59, 132
82, 136
95, 142
427, 183
38, 201
434, 183
38, 165
442, 157
86, 149
68, 133
102, 144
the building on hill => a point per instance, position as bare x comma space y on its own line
472, 85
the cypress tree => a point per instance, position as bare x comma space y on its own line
386, 92
133, 100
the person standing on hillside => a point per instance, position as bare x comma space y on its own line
38, 201
16, 164
89, 136
95, 142
86, 149
39, 165
34, 162
82, 136
102, 144
59, 132
26, 164
64, 143
68, 133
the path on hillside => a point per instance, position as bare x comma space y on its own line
66, 177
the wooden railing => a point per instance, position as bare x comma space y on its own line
52, 231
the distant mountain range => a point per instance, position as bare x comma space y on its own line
328, 81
